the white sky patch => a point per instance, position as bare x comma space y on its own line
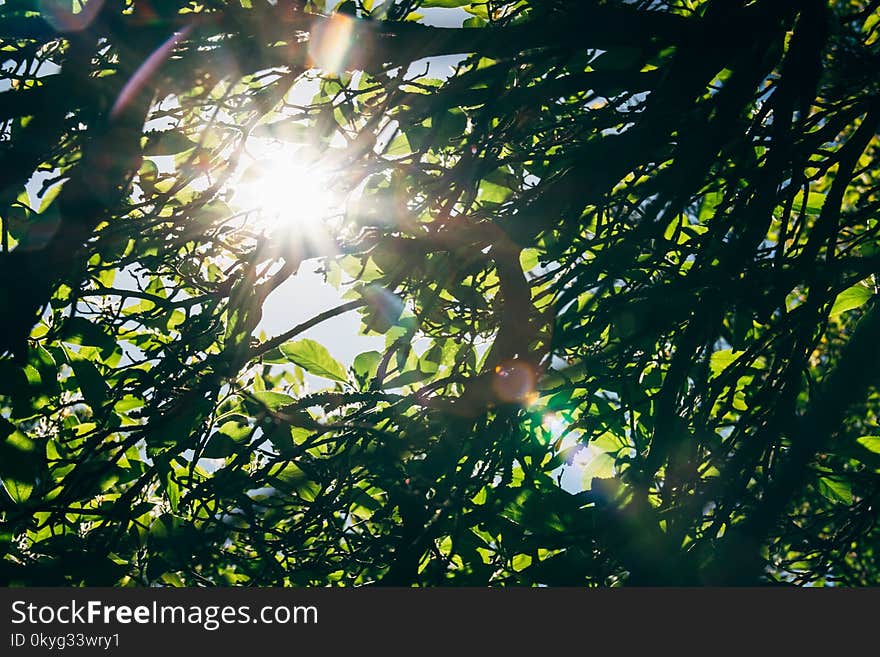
305, 295
443, 16
575, 475
585, 461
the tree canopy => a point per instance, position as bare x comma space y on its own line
622, 254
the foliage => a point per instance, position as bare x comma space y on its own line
623, 257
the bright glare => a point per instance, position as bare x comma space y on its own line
288, 194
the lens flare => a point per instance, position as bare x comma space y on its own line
514, 381
289, 196
69, 16
330, 43
146, 70
386, 307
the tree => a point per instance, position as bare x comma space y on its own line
623, 257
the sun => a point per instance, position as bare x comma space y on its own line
288, 194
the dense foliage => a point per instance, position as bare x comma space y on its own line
622, 253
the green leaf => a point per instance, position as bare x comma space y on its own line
227, 440
815, 201
238, 431
479, 9
474, 22
273, 400
292, 478
399, 146
314, 358
79, 330
708, 205
406, 379
600, 466
491, 192
172, 489
167, 143
850, 299
219, 447
366, 364
521, 562
417, 136
721, 360
148, 174
21, 460
528, 259
91, 383
449, 125
835, 490
871, 443
19, 491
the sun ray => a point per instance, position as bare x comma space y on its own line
287, 194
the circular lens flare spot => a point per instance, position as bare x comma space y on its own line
514, 381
